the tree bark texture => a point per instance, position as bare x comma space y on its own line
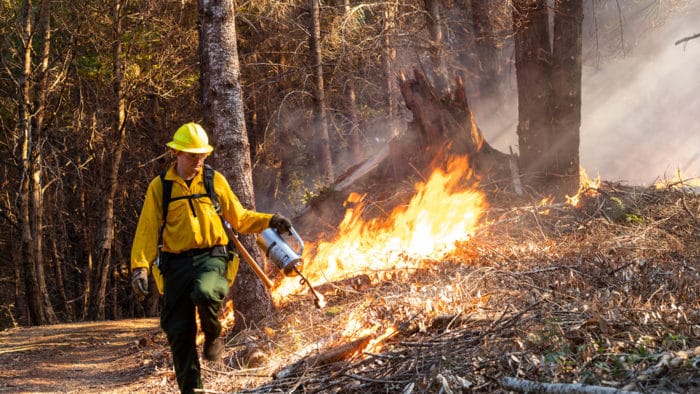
533, 62
549, 94
222, 102
566, 81
320, 119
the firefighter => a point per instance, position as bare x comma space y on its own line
193, 269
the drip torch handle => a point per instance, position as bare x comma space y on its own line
299, 240
247, 257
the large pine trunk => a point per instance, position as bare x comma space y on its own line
223, 117
566, 83
533, 62
549, 94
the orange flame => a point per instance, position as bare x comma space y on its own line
440, 213
358, 327
680, 182
587, 186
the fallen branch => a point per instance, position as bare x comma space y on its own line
338, 353
528, 386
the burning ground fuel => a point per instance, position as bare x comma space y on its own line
426, 229
600, 292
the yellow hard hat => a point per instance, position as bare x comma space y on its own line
190, 138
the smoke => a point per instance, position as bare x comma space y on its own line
640, 112
640, 103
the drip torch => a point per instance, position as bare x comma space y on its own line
281, 254
287, 259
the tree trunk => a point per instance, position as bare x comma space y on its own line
437, 50
87, 241
42, 88
222, 102
17, 273
58, 261
320, 121
104, 250
533, 63
549, 94
31, 109
388, 57
566, 81
351, 102
485, 41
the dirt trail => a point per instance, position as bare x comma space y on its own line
94, 357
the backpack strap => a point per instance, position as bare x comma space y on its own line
167, 191
211, 193
209, 185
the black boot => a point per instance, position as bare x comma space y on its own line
213, 350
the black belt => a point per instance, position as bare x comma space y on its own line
216, 250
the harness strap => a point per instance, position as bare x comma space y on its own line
209, 186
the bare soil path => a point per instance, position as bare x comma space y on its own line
93, 357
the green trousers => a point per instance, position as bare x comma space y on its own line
191, 283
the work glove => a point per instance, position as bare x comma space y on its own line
139, 282
280, 223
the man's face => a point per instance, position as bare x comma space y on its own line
189, 164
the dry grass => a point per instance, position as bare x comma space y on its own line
605, 295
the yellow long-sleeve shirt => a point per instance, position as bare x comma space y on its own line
190, 223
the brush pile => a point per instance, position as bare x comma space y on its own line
595, 298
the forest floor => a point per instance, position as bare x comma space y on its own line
94, 357
603, 295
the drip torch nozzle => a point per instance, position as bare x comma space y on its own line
319, 301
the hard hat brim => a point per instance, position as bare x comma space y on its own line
204, 149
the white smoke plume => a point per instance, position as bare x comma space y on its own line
640, 99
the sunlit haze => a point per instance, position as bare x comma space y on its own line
639, 108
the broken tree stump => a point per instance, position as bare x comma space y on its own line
442, 128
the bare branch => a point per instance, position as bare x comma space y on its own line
688, 38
